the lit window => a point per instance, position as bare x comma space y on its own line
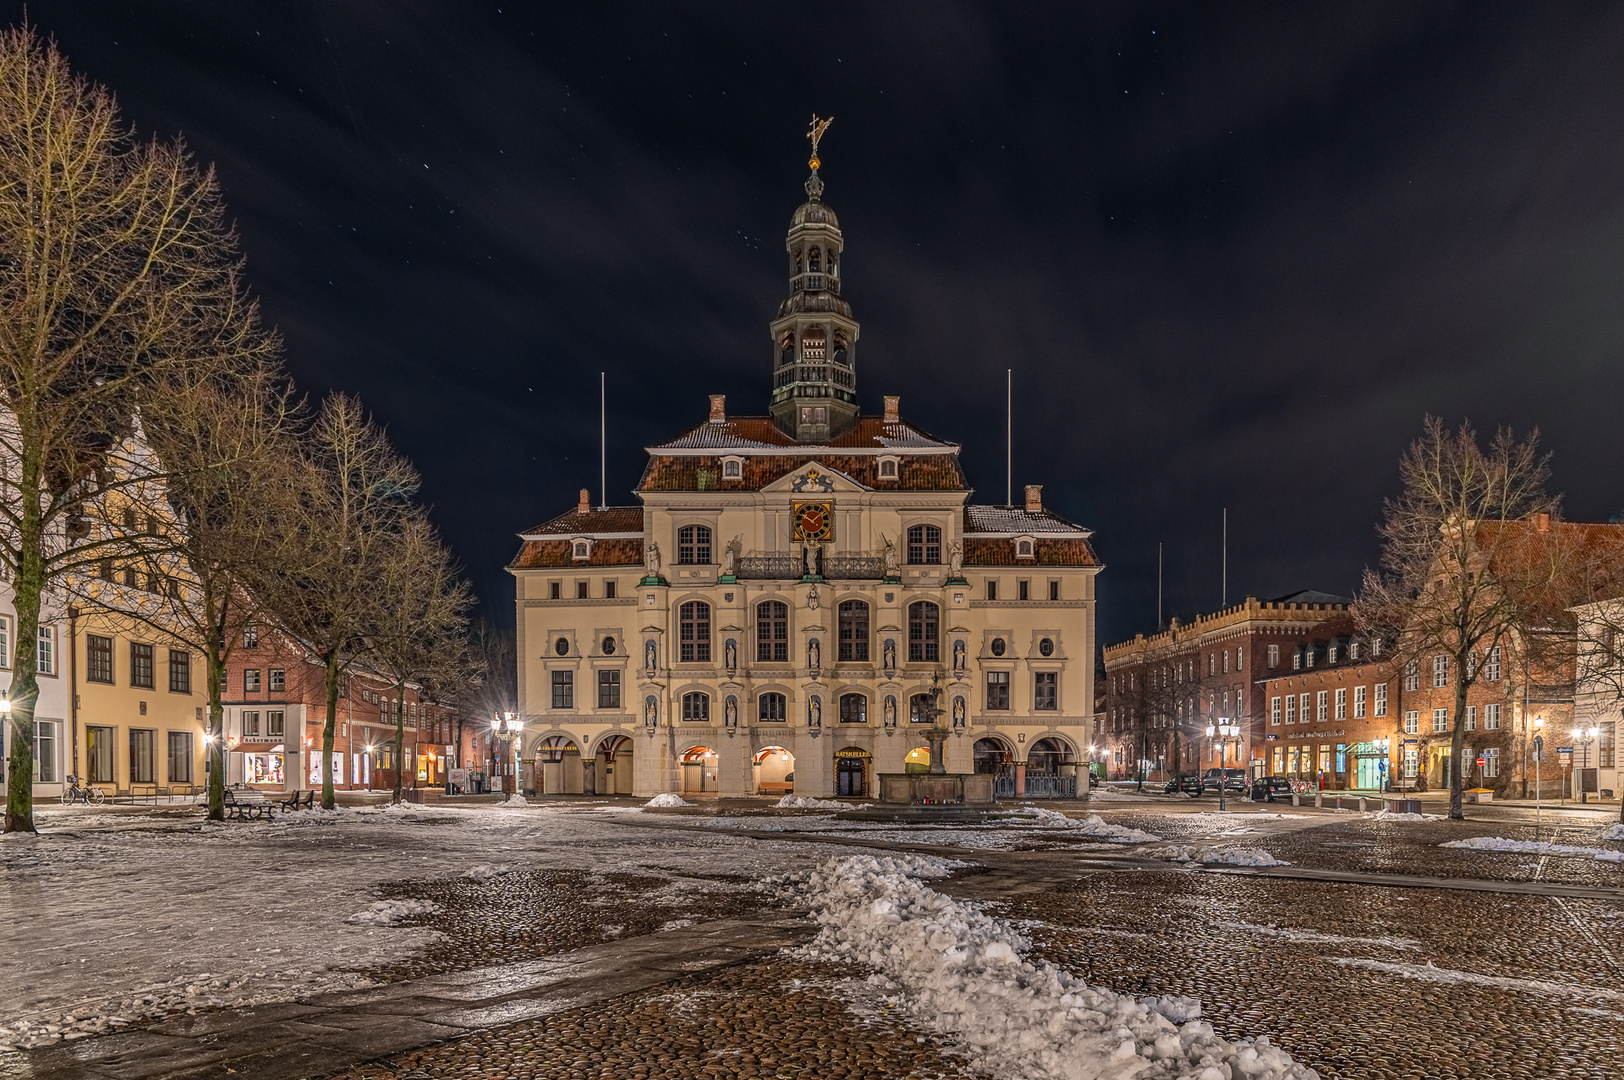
771, 708
998, 690
1440, 670
696, 708
924, 545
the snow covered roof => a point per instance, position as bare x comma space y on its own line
758, 434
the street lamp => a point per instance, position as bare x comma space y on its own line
1584, 737
507, 729
1225, 732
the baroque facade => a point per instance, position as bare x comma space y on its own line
798, 593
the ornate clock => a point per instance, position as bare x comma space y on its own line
814, 522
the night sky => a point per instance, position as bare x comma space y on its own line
1233, 253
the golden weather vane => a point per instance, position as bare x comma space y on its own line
815, 134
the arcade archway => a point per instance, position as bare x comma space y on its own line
699, 776
774, 769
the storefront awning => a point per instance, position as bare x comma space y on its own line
256, 748
1366, 749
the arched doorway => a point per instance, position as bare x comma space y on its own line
774, 769
994, 757
1051, 769
699, 771
917, 761
558, 761
612, 768
851, 772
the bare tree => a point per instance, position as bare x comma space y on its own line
1456, 575
491, 686
1148, 694
354, 503
425, 605
119, 284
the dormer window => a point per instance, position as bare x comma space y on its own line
1024, 548
888, 468
733, 468
581, 549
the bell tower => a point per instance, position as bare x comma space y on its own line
814, 354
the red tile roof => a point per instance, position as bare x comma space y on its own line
613, 520
536, 554
760, 433
925, 472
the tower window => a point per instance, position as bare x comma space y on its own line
924, 544
814, 261
812, 345
694, 545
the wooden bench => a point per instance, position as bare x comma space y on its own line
244, 804
776, 787
298, 800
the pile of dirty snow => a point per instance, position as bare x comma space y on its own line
803, 802
512, 800
1223, 856
1388, 815
958, 970
1614, 831
484, 871
665, 801
1535, 847
392, 912
1094, 825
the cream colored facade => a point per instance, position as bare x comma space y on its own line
768, 618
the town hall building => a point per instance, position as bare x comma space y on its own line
799, 594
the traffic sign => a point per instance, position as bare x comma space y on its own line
1480, 761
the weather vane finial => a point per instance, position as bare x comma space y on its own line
815, 134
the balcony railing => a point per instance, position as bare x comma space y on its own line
781, 565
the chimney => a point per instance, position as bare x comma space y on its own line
892, 402
1542, 522
718, 408
1034, 498
585, 505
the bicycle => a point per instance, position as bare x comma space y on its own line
89, 795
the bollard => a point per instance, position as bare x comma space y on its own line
1296, 799
1319, 799
1361, 804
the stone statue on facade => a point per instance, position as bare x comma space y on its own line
890, 655
650, 655
958, 654
892, 567
958, 712
730, 714
955, 559
651, 559
814, 656
890, 711
651, 711
814, 712
730, 557
730, 653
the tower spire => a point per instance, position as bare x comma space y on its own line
814, 336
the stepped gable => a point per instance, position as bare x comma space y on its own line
616, 533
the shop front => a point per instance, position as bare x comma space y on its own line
256, 764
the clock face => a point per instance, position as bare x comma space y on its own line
814, 522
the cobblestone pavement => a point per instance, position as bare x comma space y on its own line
777, 1019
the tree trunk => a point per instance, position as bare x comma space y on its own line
28, 588
1457, 742
215, 742
327, 801
400, 736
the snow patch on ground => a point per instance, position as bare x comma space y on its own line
1231, 856
392, 912
1094, 825
1614, 831
512, 800
958, 970
484, 871
1388, 815
803, 802
1319, 937
1535, 847
1451, 976
666, 801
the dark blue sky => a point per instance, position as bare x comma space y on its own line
1233, 253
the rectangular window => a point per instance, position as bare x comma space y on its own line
47, 650
5, 643
98, 658
772, 632
99, 754
1471, 718
563, 689
250, 680
1274, 712
992, 588
1045, 690
279, 679
580, 590
853, 619
997, 690
180, 671
1412, 676
1054, 590
250, 723
1291, 708
1491, 666
141, 750
608, 689
609, 592
1412, 721
45, 732
1491, 717
1605, 745
1341, 757
1325, 758
1023, 590
1358, 702
1381, 699
555, 590
1279, 760
274, 723
1274, 656
1440, 720
693, 632
180, 757
1491, 762
1341, 703
1412, 756
1440, 670
1320, 706
1304, 707
141, 665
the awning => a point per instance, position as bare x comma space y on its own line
256, 748
1366, 749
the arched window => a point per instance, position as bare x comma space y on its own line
693, 632
771, 708
696, 708
924, 624
919, 709
786, 343
693, 545
853, 631
853, 709
772, 632
924, 544
814, 262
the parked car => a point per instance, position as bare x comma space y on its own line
1270, 788
1231, 779
1190, 785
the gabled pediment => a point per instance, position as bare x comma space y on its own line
814, 478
